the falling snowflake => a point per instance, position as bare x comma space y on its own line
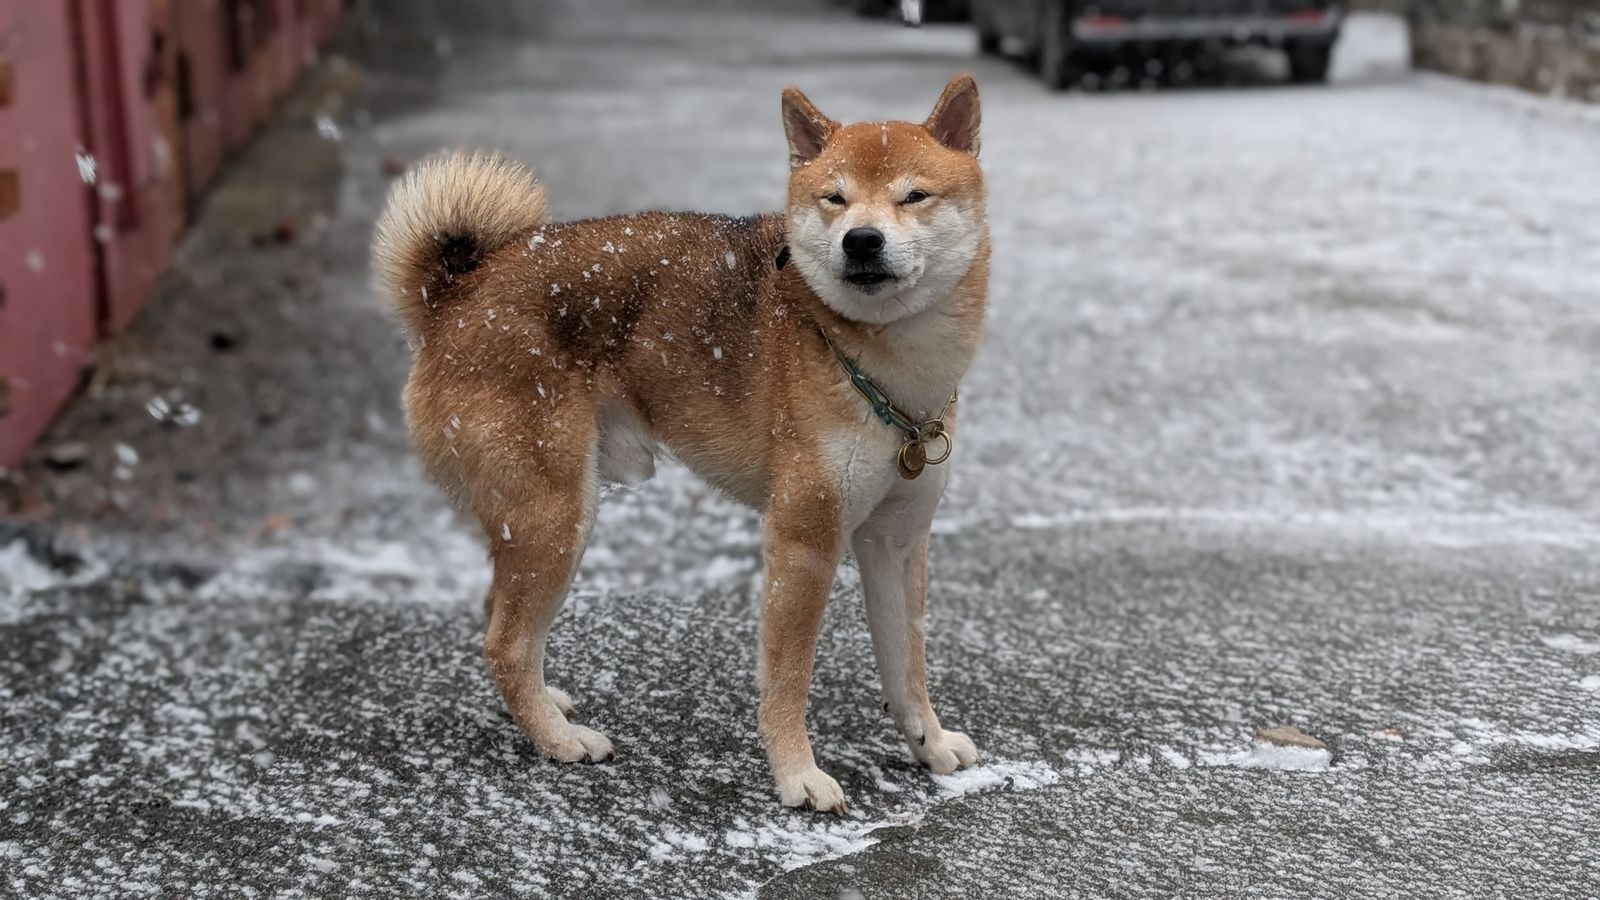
86, 165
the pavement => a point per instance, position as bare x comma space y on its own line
1284, 416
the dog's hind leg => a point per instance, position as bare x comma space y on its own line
537, 509
892, 550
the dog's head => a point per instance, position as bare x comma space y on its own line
885, 218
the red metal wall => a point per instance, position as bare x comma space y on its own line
123, 70
114, 116
47, 262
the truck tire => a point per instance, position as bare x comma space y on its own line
946, 10
1057, 68
1309, 60
988, 37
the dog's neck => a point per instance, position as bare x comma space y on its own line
917, 361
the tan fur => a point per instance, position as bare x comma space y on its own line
551, 356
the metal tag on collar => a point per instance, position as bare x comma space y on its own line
912, 460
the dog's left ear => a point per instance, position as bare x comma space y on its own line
807, 128
954, 121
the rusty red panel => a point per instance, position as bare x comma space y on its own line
326, 13
202, 87
162, 85
136, 164
47, 267
306, 29
285, 45
247, 102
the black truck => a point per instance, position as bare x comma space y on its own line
1066, 37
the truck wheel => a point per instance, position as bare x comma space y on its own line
1308, 61
946, 10
872, 8
1056, 67
988, 37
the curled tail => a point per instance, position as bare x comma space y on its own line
443, 218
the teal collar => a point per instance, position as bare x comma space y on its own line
913, 453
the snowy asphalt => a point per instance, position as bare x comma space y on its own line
1285, 416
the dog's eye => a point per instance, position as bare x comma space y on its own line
915, 197
835, 199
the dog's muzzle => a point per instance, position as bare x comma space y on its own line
868, 277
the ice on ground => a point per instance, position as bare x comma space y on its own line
1263, 755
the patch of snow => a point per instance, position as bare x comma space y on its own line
1016, 775
1558, 741
1092, 757
1591, 683
1447, 531
302, 484
801, 843
1571, 643
20, 572
1263, 755
328, 128
1175, 759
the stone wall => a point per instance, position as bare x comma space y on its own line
1548, 46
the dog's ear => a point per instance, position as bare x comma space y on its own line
807, 128
954, 120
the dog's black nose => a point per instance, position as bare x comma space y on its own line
862, 244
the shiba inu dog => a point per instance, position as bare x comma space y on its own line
806, 363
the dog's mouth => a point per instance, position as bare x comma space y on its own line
868, 278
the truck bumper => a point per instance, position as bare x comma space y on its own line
1235, 28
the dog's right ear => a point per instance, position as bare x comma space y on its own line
806, 127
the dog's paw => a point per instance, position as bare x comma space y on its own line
943, 751
574, 743
812, 788
562, 700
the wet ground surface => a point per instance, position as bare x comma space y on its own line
1285, 416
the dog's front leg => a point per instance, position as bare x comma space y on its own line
892, 550
803, 547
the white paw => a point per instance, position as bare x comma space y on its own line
812, 788
562, 700
574, 743
943, 751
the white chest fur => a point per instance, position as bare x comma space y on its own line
861, 458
